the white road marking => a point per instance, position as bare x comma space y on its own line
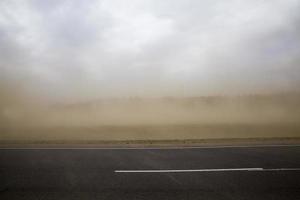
146, 148
205, 170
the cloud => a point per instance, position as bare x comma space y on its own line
96, 48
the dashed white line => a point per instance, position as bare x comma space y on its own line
205, 170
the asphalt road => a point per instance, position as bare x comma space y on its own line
179, 173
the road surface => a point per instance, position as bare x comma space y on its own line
241, 172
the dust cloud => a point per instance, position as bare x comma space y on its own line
27, 117
117, 70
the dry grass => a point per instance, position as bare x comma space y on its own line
153, 132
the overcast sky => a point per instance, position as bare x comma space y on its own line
96, 48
